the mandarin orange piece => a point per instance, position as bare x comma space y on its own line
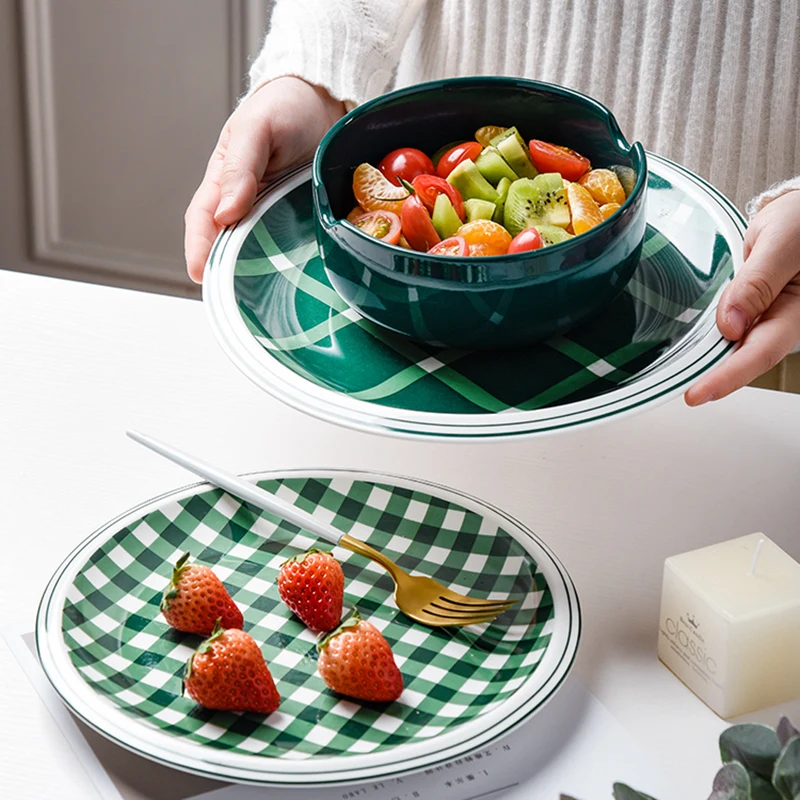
373, 192
485, 134
488, 237
608, 209
476, 250
585, 211
604, 186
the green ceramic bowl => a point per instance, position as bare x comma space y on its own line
475, 303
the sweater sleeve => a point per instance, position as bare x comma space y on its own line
773, 193
348, 47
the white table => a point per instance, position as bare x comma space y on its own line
79, 364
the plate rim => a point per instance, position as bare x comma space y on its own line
48, 621
325, 403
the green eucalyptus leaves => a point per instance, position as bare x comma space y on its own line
759, 763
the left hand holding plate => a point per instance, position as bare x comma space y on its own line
761, 306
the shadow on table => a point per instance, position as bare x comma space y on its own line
537, 741
138, 778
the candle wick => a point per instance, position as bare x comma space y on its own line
756, 555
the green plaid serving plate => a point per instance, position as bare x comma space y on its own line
114, 661
274, 312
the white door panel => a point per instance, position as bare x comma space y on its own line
122, 103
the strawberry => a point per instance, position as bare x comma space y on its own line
312, 585
357, 661
228, 673
196, 598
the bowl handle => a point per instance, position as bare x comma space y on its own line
323, 206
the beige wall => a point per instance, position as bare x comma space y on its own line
785, 377
108, 112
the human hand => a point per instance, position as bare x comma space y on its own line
278, 126
761, 306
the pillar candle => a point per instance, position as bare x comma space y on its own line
730, 624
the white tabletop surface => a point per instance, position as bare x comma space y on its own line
79, 364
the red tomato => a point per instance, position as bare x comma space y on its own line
548, 157
417, 225
455, 155
429, 187
405, 163
529, 239
454, 246
383, 225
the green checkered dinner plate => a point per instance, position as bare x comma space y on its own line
277, 317
116, 663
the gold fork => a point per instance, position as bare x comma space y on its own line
423, 599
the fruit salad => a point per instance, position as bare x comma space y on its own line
486, 197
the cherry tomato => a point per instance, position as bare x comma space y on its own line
429, 187
383, 225
443, 149
417, 226
548, 157
455, 155
356, 213
529, 239
454, 246
405, 163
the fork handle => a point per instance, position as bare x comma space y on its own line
239, 487
363, 549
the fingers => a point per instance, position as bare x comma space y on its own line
767, 343
201, 228
771, 262
246, 159
228, 189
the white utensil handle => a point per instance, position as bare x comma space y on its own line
239, 487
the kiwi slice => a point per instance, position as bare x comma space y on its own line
466, 177
552, 234
479, 209
493, 166
513, 149
536, 201
502, 190
445, 219
627, 177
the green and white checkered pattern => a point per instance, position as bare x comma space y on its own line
289, 306
121, 646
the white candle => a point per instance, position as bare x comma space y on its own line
730, 624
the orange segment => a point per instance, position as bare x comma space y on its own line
608, 209
485, 134
373, 192
604, 186
483, 250
485, 238
585, 212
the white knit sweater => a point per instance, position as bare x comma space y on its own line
711, 84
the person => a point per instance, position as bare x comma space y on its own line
713, 86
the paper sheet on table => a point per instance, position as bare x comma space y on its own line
573, 746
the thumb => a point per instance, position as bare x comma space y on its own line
770, 265
244, 164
